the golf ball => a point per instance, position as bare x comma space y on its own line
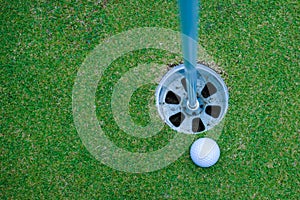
205, 152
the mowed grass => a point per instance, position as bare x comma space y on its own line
43, 44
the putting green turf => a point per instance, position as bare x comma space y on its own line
42, 47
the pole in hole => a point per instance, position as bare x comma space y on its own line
172, 100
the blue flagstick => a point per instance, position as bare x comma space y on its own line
189, 27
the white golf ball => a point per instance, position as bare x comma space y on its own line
205, 152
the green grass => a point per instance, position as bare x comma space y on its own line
42, 47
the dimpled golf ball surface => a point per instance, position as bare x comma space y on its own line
205, 152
